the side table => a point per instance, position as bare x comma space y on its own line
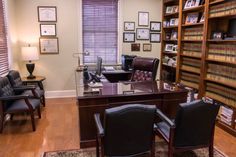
37, 80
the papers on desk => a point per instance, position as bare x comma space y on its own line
109, 68
95, 85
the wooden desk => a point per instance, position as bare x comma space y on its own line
117, 75
165, 96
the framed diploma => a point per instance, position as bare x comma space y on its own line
143, 18
147, 47
48, 45
155, 26
128, 37
142, 33
47, 14
155, 37
48, 29
129, 26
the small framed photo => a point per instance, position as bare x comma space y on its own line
135, 47
129, 26
195, 3
142, 33
166, 23
169, 47
128, 37
217, 35
48, 45
174, 22
192, 18
155, 37
155, 26
47, 14
48, 29
143, 18
147, 47
188, 4
175, 9
169, 9
174, 35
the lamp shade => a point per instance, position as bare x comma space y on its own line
29, 53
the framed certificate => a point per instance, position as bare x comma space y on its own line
147, 47
47, 14
129, 26
48, 29
155, 37
143, 18
48, 45
142, 33
155, 26
128, 37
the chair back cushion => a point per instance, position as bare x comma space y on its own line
195, 123
128, 129
5, 87
144, 69
14, 78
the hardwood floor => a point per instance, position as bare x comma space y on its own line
58, 129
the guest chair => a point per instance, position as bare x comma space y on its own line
192, 128
144, 69
16, 82
127, 130
10, 103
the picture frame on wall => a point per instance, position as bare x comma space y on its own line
135, 47
128, 37
143, 18
129, 26
147, 47
142, 34
48, 45
48, 30
155, 26
47, 13
155, 37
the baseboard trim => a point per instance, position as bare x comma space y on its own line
60, 94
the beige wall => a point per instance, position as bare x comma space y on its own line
59, 69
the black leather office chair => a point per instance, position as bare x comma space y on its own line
127, 130
192, 128
16, 82
10, 103
144, 69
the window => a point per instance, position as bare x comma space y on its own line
100, 32
4, 65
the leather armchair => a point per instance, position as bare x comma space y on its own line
127, 130
192, 128
10, 103
144, 69
16, 82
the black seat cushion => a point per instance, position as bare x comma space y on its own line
19, 105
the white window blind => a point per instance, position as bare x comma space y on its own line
100, 32
4, 65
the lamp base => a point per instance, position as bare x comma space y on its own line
31, 77
30, 68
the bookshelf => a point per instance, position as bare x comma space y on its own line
206, 53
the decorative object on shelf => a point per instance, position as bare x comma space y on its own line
147, 47
30, 54
155, 37
128, 37
168, 36
169, 47
47, 14
192, 18
155, 26
169, 10
172, 9
166, 23
217, 35
129, 26
49, 45
191, 3
135, 47
48, 29
174, 22
142, 34
143, 18
174, 35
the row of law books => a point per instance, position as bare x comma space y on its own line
227, 8
192, 49
192, 65
190, 77
226, 115
222, 52
193, 33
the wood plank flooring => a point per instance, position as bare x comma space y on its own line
58, 129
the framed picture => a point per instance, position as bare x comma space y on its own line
155, 37
129, 26
142, 33
47, 14
155, 26
128, 37
169, 47
48, 45
191, 18
143, 18
187, 4
48, 29
169, 9
166, 23
135, 47
175, 9
217, 35
174, 35
147, 47
191, 3
174, 22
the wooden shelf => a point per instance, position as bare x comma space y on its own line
192, 24
222, 16
170, 40
216, 2
191, 40
191, 71
170, 53
198, 8
170, 1
171, 14
218, 41
190, 56
164, 64
170, 27
220, 61
222, 83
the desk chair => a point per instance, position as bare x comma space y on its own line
127, 130
144, 69
15, 80
192, 128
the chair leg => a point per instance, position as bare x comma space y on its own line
97, 147
39, 112
1, 123
153, 147
32, 120
170, 151
43, 101
211, 150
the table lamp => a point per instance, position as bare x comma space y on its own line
76, 55
30, 54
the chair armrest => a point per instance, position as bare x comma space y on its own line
15, 97
98, 124
165, 118
22, 88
